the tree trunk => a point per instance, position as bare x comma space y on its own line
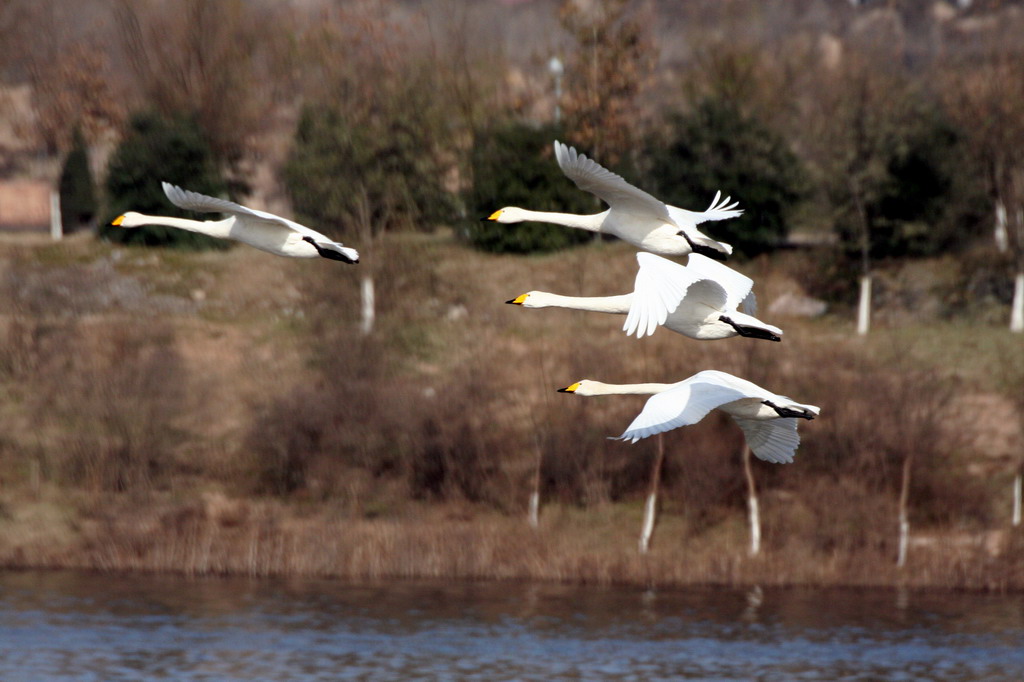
1017, 309
369, 305
752, 505
534, 513
652, 498
864, 307
1001, 233
1016, 498
901, 557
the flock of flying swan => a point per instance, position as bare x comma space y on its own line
701, 300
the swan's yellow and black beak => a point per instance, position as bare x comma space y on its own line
570, 388
117, 221
518, 300
494, 216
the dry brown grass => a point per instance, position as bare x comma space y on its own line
216, 535
255, 430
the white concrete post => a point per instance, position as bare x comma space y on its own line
56, 229
651, 506
1016, 498
864, 308
753, 508
369, 309
755, 527
901, 557
648, 525
1017, 309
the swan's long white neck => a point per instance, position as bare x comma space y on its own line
601, 388
214, 228
591, 223
618, 305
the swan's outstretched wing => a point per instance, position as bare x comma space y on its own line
744, 388
773, 440
194, 201
749, 304
659, 288
737, 285
201, 203
718, 210
685, 403
592, 177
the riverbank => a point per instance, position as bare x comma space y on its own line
222, 413
216, 535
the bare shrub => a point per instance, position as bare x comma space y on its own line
878, 410
103, 398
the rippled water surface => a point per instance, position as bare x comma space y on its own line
79, 626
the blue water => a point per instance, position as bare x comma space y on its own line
80, 626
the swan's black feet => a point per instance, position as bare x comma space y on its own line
789, 411
704, 249
328, 253
750, 332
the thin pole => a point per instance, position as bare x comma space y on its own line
1016, 498
753, 509
904, 520
650, 507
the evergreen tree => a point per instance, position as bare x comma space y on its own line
380, 158
77, 191
919, 202
514, 165
718, 148
159, 149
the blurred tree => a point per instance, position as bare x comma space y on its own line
613, 58
339, 154
468, 71
72, 86
216, 60
860, 113
714, 148
514, 165
890, 165
923, 203
987, 101
77, 190
159, 149
372, 141
374, 145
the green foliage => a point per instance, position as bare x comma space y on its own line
919, 201
514, 165
159, 149
348, 165
77, 190
716, 147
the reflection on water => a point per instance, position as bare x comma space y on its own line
100, 627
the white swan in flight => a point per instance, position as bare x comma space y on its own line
634, 215
265, 231
768, 420
699, 300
